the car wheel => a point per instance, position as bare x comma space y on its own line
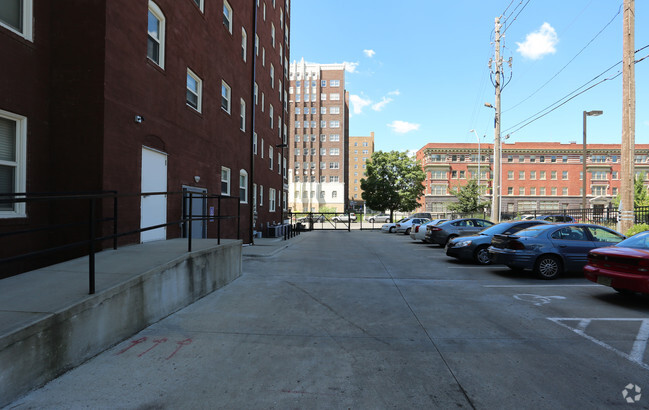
448, 240
392, 229
407, 232
371, 220
548, 267
481, 255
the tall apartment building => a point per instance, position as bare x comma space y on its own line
360, 151
118, 95
536, 176
318, 137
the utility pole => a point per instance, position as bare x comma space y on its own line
627, 218
498, 65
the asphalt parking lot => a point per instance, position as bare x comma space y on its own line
365, 319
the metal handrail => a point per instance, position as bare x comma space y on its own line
92, 222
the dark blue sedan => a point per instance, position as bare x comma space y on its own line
549, 250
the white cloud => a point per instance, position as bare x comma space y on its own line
358, 103
381, 104
539, 43
350, 67
402, 127
369, 53
395, 92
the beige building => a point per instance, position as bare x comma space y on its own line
318, 137
360, 151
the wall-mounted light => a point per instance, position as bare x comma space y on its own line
139, 119
197, 178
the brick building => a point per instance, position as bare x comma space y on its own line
360, 151
536, 176
318, 137
139, 95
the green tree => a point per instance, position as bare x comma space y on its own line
640, 194
468, 198
394, 181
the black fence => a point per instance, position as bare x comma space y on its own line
335, 221
88, 222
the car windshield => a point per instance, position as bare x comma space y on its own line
403, 220
496, 229
638, 241
533, 230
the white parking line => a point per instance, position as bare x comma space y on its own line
537, 286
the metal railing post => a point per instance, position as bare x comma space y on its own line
115, 221
91, 250
189, 222
218, 222
239, 219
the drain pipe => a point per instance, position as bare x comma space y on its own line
252, 128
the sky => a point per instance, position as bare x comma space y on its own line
418, 70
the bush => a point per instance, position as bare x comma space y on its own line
637, 229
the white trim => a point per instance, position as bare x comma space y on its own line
244, 173
157, 12
199, 91
28, 31
20, 177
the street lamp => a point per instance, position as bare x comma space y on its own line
593, 113
479, 157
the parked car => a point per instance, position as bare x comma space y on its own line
550, 249
418, 232
624, 266
474, 247
426, 215
344, 217
406, 226
311, 218
378, 218
444, 232
392, 226
556, 218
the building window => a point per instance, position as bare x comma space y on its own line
272, 33
334, 137
199, 3
155, 48
542, 175
272, 76
521, 175
510, 158
13, 136
554, 191
532, 191
334, 83
532, 174
226, 93
521, 158
510, 174
521, 191
334, 97
532, 158
334, 151
242, 115
553, 174
194, 90
564, 175
271, 113
243, 186
271, 199
244, 44
542, 191
564, 158
334, 194
334, 178
334, 165
261, 195
510, 190
227, 16
254, 143
225, 181
270, 156
334, 124
564, 191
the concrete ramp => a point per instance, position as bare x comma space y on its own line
49, 324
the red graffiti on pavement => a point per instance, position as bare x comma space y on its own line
155, 343
180, 345
133, 344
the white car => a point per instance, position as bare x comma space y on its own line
391, 227
418, 232
406, 226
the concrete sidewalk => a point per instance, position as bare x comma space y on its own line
266, 247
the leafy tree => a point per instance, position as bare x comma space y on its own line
640, 194
468, 197
394, 181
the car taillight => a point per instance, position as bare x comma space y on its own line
516, 245
643, 265
416, 228
434, 228
398, 225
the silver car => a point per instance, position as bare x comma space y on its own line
444, 232
418, 232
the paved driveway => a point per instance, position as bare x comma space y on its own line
372, 320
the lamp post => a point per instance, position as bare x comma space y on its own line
593, 113
478, 138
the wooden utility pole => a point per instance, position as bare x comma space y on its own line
498, 65
627, 218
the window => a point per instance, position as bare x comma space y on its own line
333, 178
261, 195
532, 174
243, 186
599, 190
244, 44
334, 83
553, 175
272, 76
155, 48
334, 151
334, 194
271, 199
564, 191
226, 92
256, 93
323, 124
13, 136
553, 158
542, 175
521, 175
270, 156
510, 190
334, 124
272, 33
554, 191
532, 158
521, 158
225, 181
532, 191
564, 175
521, 191
199, 3
542, 191
227, 16
254, 142
334, 138
270, 112
194, 90
564, 158
323, 97
542, 158
334, 110
242, 126
256, 45
334, 97
279, 163
438, 189
510, 158
510, 174
462, 174
334, 165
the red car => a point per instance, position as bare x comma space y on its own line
624, 267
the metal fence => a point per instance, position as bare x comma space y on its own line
93, 220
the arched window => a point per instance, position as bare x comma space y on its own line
155, 49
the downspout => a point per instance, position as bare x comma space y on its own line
252, 128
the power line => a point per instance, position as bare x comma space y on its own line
568, 63
507, 18
542, 113
510, 4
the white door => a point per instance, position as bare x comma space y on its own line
153, 208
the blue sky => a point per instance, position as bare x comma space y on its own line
418, 69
